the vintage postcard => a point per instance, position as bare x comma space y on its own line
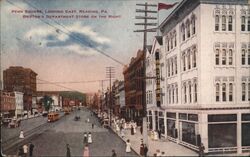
125, 78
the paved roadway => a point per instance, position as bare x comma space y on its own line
53, 141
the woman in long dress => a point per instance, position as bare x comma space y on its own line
21, 134
128, 146
89, 138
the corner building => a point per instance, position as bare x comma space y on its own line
206, 47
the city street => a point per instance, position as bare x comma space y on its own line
53, 141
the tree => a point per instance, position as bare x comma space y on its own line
47, 102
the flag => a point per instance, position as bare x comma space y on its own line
165, 6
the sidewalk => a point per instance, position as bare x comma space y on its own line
170, 148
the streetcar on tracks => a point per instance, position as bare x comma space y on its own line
53, 116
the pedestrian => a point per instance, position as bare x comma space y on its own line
159, 133
21, 134
155, 136
86, 151
142, 148
113, 153
31, 149
163, 154
134, 127
141, 129
145, 150
89, 138
122, 133
158, 152
68, 151
201, 150
85, 138
20, 152
128, 146
132, 130
93, 125
25, 150
88, 120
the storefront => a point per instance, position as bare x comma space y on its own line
150, 120
171, 125
245, 131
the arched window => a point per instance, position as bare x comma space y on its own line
224, 57
169, 95
175, 62
230, 23
243, 56
172, 66
168, 65
224, 92
184, 62
171, 41
183, 32
194, 57
193, 24
176, 93
230, 98
188, 60
195, 92
217, 91
217, 57
243, 23
230, 57
190, 92
188, 28
185, 93
168, 44
173, 96
243, 86
217, 23
223, 28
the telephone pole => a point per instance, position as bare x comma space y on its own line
110, 73
146, 23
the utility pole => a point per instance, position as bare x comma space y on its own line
110, 73
145, 30
101, 107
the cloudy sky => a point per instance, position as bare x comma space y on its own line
69, 49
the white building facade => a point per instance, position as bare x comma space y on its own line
206, 46
19, 103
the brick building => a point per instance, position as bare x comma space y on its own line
8, 103
23, 80
134, 88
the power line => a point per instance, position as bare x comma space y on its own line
72, 82
70, 35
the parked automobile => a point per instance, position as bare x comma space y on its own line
14, 123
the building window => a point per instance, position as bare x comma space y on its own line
169, 95
184, 62
168, 44
183, 32
171, 42
173, 95
248, 57
243, 92
217, 91
224, 93
190, 93
230, 23
185, 93
175, 40
195, 92
176, 91
188, 60
172, 66
188, 28
217, 22
243, 23
194, 57
168, 67
230, 57
230, 92
248, 91
224, 57
193, 24
223, 28
248, 23
243, 57
175, 62
217, 56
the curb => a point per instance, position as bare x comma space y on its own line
123, 141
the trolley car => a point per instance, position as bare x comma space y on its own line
53, 116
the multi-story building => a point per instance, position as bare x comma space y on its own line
133, 83
206, 47
121, 93
8, 104
56, 97
23, 80
18, 104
